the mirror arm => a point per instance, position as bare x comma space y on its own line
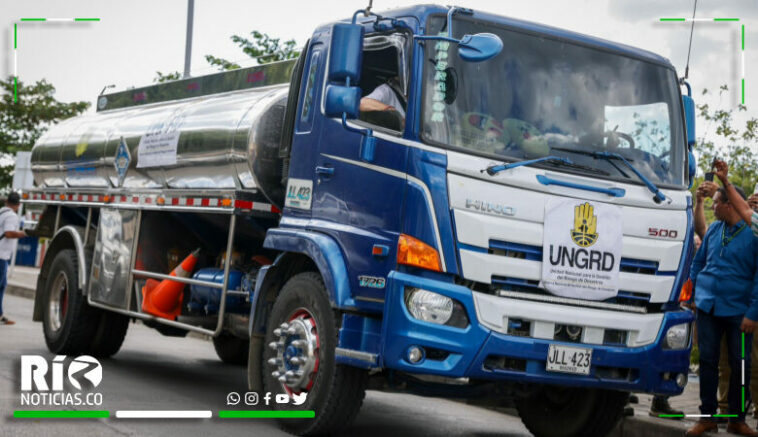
687, 84
435, 37
365, 12
450, 13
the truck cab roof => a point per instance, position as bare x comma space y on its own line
423, 12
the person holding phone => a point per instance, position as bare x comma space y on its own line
747, 209
725, 278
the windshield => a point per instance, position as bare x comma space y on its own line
543, 97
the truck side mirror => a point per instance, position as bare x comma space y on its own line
342, 100
346, 53
689, 118
345, 59
479, 47
471, 48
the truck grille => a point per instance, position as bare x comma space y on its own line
624, 300
534, 253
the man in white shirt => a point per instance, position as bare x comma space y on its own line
383, 98
9, 228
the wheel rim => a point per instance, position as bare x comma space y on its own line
58, 302
297, 352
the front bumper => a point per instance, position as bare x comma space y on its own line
470, 352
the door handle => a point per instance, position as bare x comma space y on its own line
324, 171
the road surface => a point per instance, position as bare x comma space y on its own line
153, 372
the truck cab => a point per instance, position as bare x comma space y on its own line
441, 229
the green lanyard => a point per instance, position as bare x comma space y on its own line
725, 241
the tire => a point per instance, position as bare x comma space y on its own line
68, 322
231, 349
109, 335
334, 392
571, 412
610, 410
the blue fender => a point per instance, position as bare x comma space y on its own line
325, 253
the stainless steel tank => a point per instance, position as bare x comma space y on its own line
225, 141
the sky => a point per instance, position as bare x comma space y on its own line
136, 38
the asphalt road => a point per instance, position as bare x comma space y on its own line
153, 372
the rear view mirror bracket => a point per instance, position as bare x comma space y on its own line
471, 48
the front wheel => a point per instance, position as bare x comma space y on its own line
551, 411
299, 359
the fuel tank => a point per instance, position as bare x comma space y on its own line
227, 140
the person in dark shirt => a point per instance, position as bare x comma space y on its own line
726, 297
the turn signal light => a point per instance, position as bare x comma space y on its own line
416, 253
686, 294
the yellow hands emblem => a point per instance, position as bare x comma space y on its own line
584, 233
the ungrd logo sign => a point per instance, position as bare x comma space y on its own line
49, 380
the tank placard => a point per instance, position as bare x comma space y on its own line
157, 149
299, 193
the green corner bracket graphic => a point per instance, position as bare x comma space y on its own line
15, 43
742, 50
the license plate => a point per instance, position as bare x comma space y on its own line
566, 359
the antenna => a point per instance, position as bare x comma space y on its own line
368, 8
105, 88
689, 50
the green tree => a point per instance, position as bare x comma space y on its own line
167, 77
24, 121
741, 143
260, 47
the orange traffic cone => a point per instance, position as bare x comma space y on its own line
164, 298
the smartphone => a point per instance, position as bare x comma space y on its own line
709, 177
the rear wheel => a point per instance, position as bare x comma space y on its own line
571, 412
68, 322
298, 359
109, 336
231, 349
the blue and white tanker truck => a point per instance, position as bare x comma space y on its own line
521, 224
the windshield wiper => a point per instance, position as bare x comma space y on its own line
585, 168
584, 152
658, 197
497, 168
549, 160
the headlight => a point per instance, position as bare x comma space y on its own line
435, 308
677, 337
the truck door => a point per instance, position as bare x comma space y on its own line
359, 203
